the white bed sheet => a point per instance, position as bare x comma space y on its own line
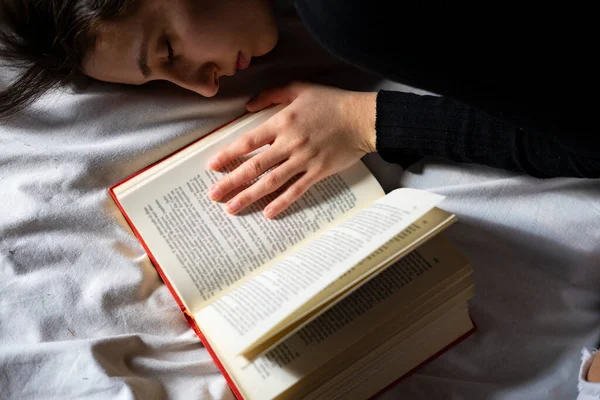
83, 313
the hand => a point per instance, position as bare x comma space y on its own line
321, 131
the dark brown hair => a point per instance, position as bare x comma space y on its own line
46, 41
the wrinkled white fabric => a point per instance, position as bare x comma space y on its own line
83, 313
533, 245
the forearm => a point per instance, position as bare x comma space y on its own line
409, 125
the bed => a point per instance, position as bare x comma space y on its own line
83, 313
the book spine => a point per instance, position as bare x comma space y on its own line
188, 316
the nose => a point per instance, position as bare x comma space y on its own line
203, 80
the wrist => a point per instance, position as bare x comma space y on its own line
363, 109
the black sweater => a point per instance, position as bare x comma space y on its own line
519, 91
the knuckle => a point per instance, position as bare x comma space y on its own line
226, 184
246, 143
229, 181
289, 119
243, 199
301, 141
255, 166
272, 180
295, 191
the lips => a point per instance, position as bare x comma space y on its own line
242, 61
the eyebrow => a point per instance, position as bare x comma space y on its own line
142, 60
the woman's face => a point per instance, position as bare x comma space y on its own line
192, 43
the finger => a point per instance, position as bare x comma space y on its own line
269, 183
279, 95
245, 144
249, 170
293, 193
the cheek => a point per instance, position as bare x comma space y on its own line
219, 30
207, 36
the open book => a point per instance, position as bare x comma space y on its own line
343, 293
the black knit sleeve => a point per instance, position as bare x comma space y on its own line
410, 126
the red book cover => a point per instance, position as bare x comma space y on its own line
189, 318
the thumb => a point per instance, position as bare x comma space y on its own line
280, 95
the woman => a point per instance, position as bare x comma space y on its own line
501, 103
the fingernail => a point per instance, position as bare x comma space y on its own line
269, 212
233, 206
213, 163
215, 193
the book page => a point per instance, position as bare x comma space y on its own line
245, 315
201, 248
421, 230
424, 280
